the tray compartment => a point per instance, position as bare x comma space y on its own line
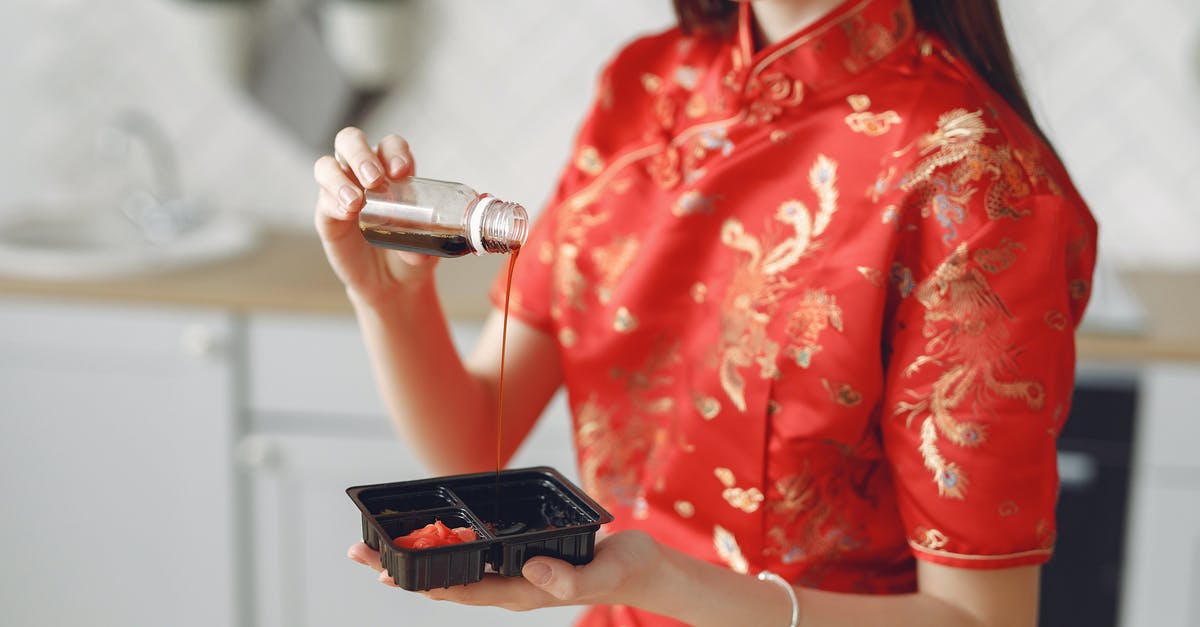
437, 567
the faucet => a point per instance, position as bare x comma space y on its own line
157, 207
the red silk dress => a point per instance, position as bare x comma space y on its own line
815, 304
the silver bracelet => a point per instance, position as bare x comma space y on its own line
767, 575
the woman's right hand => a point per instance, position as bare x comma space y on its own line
370, 274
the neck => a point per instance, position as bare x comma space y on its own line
776, 19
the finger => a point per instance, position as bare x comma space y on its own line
351, 144
332, 179
385, 578
330, 210
569, 583
511, 593
617, 559
365, 555
393, 150
415, 259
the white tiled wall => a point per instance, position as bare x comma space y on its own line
497, 86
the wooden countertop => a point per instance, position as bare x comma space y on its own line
288, 273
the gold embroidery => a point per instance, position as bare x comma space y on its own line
902, 278
813, 315
624, 322
588, 160
872, 275
842, 393
953, 157
611, 262
686, 77
698, 292
545, 252
871, 41
778, 135
965, 325
1000, 258
770, 93
620, 454
685, 509
1007, 508
746, 500
867, 123
859, 102
1056, 320
728, 550
692, 202
567, 336
568, 280
651, 82
758, 284
929, 538
804, 523
708, 406
1045, 534
696, 106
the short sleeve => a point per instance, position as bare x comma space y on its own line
533, 276
981, 367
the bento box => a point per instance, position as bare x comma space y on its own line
521, 514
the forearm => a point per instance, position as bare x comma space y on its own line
442, 410
703, 594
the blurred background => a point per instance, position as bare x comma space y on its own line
183, 393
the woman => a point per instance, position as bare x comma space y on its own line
810, 280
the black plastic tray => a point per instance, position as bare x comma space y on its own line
538, 510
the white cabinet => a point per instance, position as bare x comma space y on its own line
1162, 583
317, 427
115, 429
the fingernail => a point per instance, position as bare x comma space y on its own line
370, 173
537, 573
348, 195
384, 576
397, 165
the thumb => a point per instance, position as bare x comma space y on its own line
558, 578
571, 583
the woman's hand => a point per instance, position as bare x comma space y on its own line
369, 273
621, 573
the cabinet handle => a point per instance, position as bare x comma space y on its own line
199, 340
1077, 469
259, 453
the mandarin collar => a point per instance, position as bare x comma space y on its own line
852, 37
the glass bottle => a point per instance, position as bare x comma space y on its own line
441, 218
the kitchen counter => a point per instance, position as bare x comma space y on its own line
288, 272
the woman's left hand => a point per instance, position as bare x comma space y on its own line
620, 573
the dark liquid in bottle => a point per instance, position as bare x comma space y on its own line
512, 263
418, 242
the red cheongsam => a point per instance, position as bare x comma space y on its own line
814, 303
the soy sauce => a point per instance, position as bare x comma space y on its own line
512, 263
448, 245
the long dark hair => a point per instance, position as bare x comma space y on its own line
973, 28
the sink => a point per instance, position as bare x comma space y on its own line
48, 245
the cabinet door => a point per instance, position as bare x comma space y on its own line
1162, 583
304, 522
115, 431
